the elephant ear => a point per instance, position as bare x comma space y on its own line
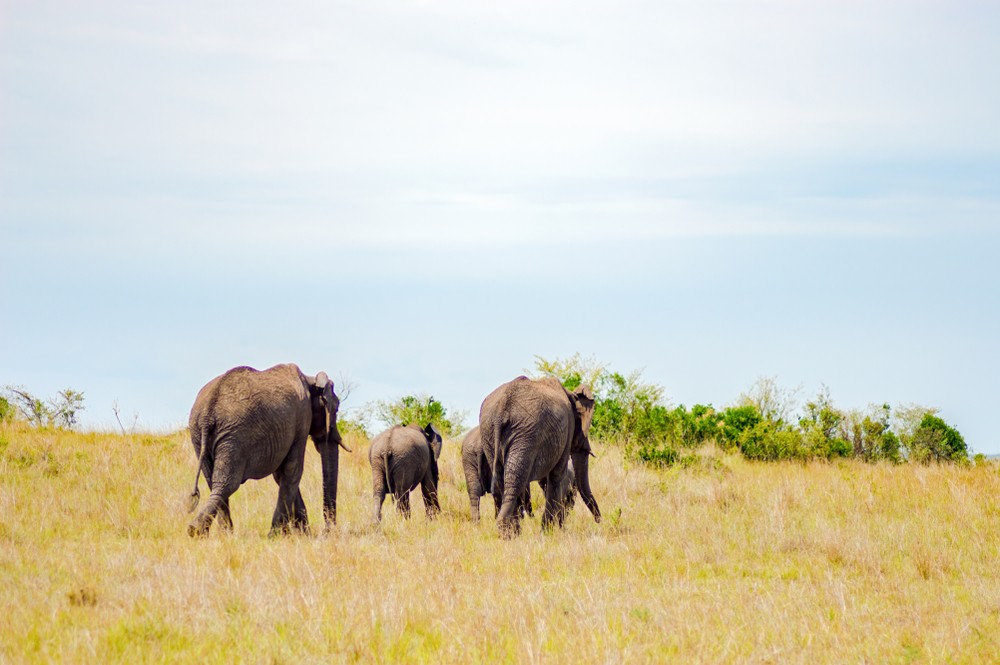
582, 399
434, 465
322, 395
434, 440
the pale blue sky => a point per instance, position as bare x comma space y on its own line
423, 196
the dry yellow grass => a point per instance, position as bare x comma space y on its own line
725, 562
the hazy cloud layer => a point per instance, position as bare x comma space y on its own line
710, 190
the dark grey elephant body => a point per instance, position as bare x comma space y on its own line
403, 458
248, 424
533, 429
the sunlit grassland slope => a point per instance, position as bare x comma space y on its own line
724, 561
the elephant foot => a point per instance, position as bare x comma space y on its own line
197, 531
510, 528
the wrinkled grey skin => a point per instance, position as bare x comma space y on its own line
403, 458
533, 428
249, 424
477, 465
568, 492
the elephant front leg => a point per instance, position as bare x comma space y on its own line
290, 511
300, 518
555, 510
525, 508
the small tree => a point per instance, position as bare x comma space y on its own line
572, 371
64, 407
420, 409
32, 409
936, 441
870, 436
59, 411
773, 402
821, 428
906, 420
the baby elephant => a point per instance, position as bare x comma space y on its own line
401, 459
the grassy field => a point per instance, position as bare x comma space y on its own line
726, 561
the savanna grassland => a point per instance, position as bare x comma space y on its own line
724, 560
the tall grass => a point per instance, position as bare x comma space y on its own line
725, 560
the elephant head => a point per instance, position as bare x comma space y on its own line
326, 438
582, 399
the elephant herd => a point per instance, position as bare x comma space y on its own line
250, 424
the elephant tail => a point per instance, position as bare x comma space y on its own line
387, 466
196, 494
495, 434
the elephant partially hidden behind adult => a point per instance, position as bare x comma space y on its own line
401, 459
249, 424
477, 466
533, 428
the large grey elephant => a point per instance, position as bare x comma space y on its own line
533, 428
250, 424
402, 458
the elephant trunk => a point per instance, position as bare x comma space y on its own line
330, 457
581, 470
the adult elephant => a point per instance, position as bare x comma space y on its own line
533, 428
403, 458
477, 465
249, 424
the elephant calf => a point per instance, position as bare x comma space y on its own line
401, 459
476, 463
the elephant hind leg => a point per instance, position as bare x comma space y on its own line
429, 492
221, 491
555, 510
225, 517
509, 515
403, 504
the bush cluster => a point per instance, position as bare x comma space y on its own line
420, 409
58, 411
635, 414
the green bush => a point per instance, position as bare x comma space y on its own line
936, 441
817, 444
6, 410
419, 409
764, 441
656, 453
739, 419
634, 413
